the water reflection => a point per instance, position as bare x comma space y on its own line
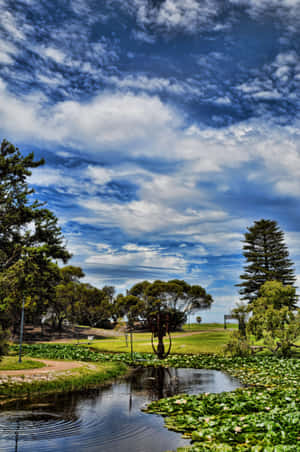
106, 420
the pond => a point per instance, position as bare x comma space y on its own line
107, 419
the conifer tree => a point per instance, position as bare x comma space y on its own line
267, 259
30, 239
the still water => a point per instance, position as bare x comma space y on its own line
109, 419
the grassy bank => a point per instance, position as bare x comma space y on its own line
79, 378
12, 363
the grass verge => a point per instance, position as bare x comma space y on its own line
11, 363
75, 379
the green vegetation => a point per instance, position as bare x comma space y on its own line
273, 322
11, 363
267, 259
263, 417
208, 342
162, 307
191, 327
29, 239
75, 379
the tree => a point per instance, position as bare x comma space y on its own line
267, 259
32, 279
272, 320
29, 236
199, 319
93, 307
24, 223
241, 313
67, 293
162, 307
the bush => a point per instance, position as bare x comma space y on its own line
237, 345
3, 342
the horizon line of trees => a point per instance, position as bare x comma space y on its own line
31, 244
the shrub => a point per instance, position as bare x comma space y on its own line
3, 342
237, 345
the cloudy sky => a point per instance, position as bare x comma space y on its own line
168, 127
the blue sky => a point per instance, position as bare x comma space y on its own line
168, 127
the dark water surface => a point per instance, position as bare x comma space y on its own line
109, 419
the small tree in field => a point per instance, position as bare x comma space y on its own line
162, 307
272, 320
199, 319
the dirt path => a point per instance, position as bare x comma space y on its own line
51, 368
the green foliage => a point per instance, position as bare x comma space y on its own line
144, 300
162, 306
12, 363
78, 379
237, 345
24, 223
243, 420
29, 239
33, 278
3, 342
261, 417
267, 259
272, 319
199, 319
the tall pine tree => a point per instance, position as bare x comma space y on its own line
30, 239
267, 259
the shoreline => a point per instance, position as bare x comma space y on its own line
72, 376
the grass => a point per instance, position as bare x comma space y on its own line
207, 326
11, 363
211, 339
72, 380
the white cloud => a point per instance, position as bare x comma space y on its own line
146, 216
190, 15
144, 126
136, 257
55, 54
99, 175
286, 10
156, 84
10, 24
7, 49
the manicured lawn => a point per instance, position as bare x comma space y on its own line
208, 326
204, 342
11, 363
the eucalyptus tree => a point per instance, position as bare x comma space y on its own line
162, 307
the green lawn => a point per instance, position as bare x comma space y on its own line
11, 363
207, 326
195, 339
203, 342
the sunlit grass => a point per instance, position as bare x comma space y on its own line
209, 342
11, 363
207, 326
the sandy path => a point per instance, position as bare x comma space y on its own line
50, 366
